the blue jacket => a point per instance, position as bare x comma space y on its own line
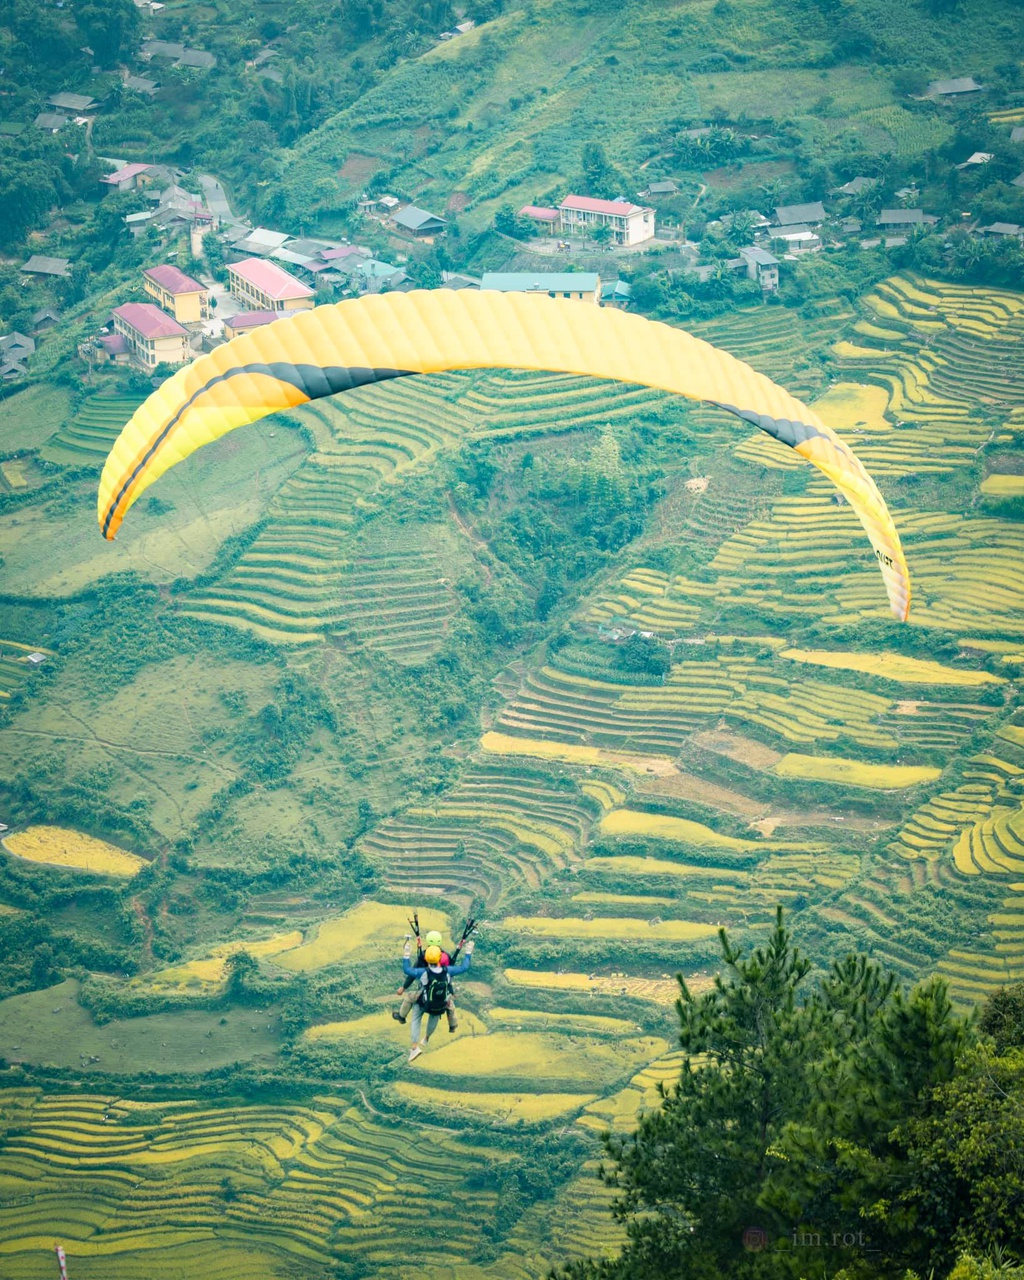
417, 971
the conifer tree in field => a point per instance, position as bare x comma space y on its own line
845, 1126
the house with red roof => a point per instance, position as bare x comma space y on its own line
246, 321
629, 223
262, 285
126, 178
153, 337
547, 221
186, 299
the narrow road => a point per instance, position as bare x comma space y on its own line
216, 198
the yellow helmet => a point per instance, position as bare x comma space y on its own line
432, 955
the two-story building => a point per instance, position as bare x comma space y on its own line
186, 299
264, 286
628, 223
761, 266
583, 286
153, 337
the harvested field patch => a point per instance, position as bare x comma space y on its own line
372, 930
661, 826
383, 1026
506, 745
1003, 486
609, 927
855, 773
662, 867
61, 847
687, 786
893, 666
503, 1106
539, 1055
663, 990
735, 747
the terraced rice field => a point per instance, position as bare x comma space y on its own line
565, 707
496, 827
61, 847
307, 576
124, 1182
87, 438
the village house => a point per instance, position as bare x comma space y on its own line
797, 238
666, 187
546, 221
115, 348
16, 346
186, 299
261, 241
811, 214
74, 102
976, 157
41, 265
905, 218
44, 319
953, 88
616, 294
143, 85
372, 275
629, 223
856, 186
419, 222
1003, 231
264, 286
246, 321
51, 121
762, 266
582, 286
126, 178
153, 337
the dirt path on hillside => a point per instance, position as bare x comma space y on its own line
470, 534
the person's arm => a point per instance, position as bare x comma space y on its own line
411, 970
456, 969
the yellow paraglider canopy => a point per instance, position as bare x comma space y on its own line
334, 348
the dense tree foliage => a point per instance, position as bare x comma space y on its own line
843, 1122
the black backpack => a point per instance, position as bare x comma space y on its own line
436, 989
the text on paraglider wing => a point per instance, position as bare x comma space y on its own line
882, 558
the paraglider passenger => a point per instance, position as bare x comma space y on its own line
408, 990
433, 985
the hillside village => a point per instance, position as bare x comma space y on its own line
601, 680
243, 273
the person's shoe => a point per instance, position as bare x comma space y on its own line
397, 1016
452, 1026
415, 1052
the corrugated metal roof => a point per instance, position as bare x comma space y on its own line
541, 282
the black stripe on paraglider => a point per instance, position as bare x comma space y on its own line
312, 380
791, 433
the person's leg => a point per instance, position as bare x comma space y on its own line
432, 1020
452, 1016
416, 1024
408, 1000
